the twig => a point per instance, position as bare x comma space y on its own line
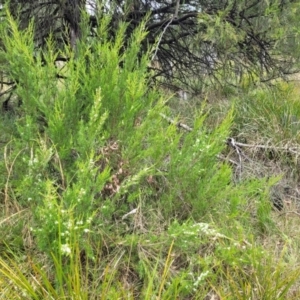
160, 38
228, 159
178, 124
292, 149
289, 212
231, 142
11, 216
130, 213
176, 9
8, 90
236, 145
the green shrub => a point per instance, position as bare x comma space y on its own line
112, 188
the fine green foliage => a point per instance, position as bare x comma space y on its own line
103, 198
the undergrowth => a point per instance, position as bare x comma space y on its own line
102, 198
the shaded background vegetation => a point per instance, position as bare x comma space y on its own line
196, 42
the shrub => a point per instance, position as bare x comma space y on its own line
107, 180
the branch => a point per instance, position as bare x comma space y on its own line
178, 124
176, 9
174, 21
159, 40
8, 90
290, 212
287, 149
236, 145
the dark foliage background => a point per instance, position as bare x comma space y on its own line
196, 42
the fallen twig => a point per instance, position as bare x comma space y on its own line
231, 142
12, 216
289, 212
228, 159
130, 213
288, 149
178, 124
237, 145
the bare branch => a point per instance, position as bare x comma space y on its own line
178, 124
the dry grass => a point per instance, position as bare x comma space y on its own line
120, 256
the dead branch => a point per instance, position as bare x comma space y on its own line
289, 212
236, 145
178, 124
286, 148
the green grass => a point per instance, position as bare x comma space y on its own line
102, 198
